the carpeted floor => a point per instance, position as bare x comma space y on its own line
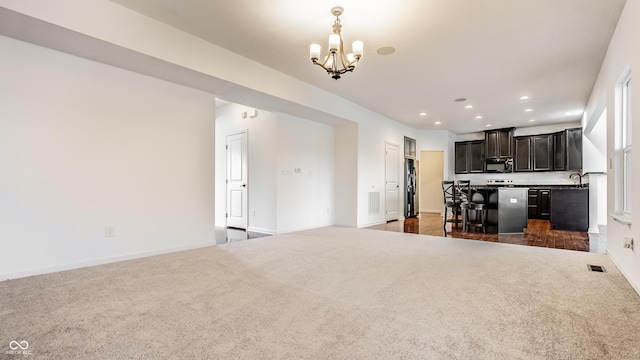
331, 293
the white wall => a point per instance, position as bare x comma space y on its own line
594, 160
372, 135
261, 127
346, 180
439, 140
623, 54
306, 174
280, 200
84, 146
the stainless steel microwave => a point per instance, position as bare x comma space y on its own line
499, 165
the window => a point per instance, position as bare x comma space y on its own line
627, 181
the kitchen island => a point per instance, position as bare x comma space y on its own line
568, 205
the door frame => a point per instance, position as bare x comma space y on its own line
245, 200
386, 180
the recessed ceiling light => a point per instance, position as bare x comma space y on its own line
423, 114
574, 112
469, 107
386, 50
488, 125
460, 99
532, 120
437, 123
525, 97
528, 110
479, 117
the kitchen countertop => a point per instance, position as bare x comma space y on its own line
533, 187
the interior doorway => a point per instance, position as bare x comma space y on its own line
237, 181
430, 185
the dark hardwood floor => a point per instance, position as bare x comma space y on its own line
538, 233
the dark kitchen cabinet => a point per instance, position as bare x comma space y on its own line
544, 204
499, 144
542, 152
574, 149
539, 203
469, 157
522, 158
570, 209
567, 148
409, 148
560, 151
533, 153
533, 204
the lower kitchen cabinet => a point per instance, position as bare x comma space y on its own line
539, 204
570, 209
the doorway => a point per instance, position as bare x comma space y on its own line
237, 180
430, 185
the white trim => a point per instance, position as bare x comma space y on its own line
304, 229
627, 276
622, 218
261, 231
375, 223
102, 261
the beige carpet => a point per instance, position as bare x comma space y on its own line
331, 293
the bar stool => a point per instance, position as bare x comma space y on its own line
451, 201
473, 216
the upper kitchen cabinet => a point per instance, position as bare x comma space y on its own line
499, 143
409, 148
469, 157
533, 153
567, 146
560, 150
542, 152
522, 159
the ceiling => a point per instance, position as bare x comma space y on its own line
490, 52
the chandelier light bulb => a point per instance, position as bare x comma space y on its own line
358, 49
314, 51
334, 42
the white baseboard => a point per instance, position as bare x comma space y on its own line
102, 261
626, 275
372, 224
261, 230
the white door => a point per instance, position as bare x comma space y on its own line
237, 199
392, 181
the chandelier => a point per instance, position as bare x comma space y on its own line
337, 62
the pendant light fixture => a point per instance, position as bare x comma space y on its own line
336, 62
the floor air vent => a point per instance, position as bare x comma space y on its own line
596, 268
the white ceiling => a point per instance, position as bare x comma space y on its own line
490, 52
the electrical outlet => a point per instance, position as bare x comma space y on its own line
253, 212
628, 243
109, 231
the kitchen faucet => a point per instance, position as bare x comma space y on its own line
574, 175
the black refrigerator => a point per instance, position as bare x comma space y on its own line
411, 188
